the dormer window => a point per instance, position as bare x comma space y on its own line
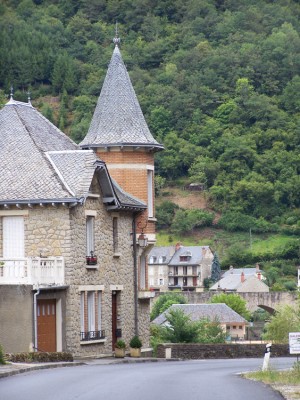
152, 260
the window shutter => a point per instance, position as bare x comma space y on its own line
13, 237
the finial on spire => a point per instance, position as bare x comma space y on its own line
11, 92
116, 39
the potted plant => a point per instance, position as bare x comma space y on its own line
135, 346
120, 346
92, 259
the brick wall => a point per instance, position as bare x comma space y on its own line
195, 351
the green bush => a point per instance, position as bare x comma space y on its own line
40, 357
2, 360
164, 301
120, 344
165, 214
237, 221
135, 342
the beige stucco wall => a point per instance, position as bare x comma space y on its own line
16, 333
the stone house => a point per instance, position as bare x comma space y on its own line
242, 280
179, 267
73, 242
231, 322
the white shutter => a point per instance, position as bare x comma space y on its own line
13, 237
89, 235
91, 311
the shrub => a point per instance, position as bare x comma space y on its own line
135, 342
120, 344
165, 301
40, 357
2, 361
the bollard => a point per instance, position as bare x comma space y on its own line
265, 366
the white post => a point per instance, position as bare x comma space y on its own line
265, 366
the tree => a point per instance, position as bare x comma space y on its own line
285, 320
234, 301
165, 301
181, 329
215, 268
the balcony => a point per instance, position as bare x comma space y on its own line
146, 294
32, 271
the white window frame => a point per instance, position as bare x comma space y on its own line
90, 234
13, 232
91, 312
150, 192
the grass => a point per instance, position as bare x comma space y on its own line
290, 377
221, 240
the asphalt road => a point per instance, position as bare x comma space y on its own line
192, 380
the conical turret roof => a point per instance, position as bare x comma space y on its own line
118, 119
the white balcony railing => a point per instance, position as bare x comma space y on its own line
32, 271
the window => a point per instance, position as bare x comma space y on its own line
152, 260
115, 235
90, 235
13, 237
161, 270
150, 174
160, 282
91, 315
151, 271
151, 282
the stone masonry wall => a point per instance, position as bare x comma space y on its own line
195, 351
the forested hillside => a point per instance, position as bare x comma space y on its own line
218, 82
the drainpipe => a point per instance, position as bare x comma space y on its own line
35, 318
135, 276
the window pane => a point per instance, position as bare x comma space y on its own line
91, 311
115, 234
99, 310
89, 235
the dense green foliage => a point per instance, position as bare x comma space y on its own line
181, 329
165, 301
234, 301
218, 82
2, 360
285, 320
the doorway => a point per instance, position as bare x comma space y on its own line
46, 325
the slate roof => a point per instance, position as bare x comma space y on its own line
162, 251
219, 311
196, 253
232, 282
118, 119
40, 164
238, 271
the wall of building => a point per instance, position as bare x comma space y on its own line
16, 323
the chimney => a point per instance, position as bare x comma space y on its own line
257, 268
203, 252
242, 277
259, 275
177, 246
231, 269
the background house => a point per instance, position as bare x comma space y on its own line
158, 268
242, 280
231, 322
179, 267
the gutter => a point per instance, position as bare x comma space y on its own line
35, 318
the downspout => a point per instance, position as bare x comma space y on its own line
135, 276
35, 318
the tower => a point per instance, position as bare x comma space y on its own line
120, 136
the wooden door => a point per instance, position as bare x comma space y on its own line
46, 325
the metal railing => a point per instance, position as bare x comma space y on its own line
92, 335
32, 271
